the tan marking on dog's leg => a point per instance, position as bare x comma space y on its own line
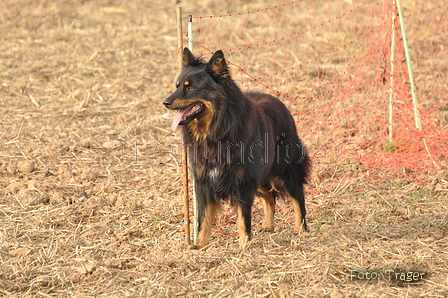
268, 210
206, 228
244, 235
298, 226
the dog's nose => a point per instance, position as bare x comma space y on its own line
167, 102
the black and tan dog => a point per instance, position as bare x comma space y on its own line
240, 145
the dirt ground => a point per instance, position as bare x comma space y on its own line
90, 179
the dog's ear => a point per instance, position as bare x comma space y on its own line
217, 66
188, 58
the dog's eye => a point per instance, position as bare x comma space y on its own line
189, 88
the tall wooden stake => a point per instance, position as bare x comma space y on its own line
195, 202
392, 73
418, 124
180, 45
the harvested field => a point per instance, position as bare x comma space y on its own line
90, 179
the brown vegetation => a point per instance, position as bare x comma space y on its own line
90, 179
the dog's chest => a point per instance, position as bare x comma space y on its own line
214, 174
208, 173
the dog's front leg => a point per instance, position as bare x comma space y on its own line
244, 224
206, 216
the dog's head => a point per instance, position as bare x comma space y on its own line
198, 88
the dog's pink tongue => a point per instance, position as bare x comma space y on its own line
177, 119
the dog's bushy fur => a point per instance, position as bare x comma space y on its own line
240, 145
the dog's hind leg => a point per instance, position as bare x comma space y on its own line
299, 214
206, 216
295, 192
268, 200
244, 224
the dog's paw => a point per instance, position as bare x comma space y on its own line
268, 229
196, 246
300, 227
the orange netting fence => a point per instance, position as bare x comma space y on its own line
332, 61
340, 67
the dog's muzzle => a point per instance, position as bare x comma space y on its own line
167, 102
